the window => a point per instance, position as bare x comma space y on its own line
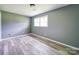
41, 21
36, 22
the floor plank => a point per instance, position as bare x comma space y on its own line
25, 45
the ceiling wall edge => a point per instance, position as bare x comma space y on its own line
14, 13
37, 14
51, 10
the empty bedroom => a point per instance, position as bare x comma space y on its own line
39, 29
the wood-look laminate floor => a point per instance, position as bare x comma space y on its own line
25, 45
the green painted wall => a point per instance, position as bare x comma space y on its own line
0, 24
13, 24
63, 25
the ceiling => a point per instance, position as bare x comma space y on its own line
25, 9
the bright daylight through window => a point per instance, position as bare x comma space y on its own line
41, 21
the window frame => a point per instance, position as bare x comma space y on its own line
42, 23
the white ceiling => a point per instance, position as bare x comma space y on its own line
25, 9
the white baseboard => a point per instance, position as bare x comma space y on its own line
56, 41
